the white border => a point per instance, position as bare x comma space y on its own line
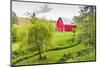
5, 33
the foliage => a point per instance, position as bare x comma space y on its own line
86, 25
23, 30
40, 35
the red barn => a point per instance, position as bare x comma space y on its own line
64, 25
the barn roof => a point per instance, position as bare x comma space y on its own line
68, 21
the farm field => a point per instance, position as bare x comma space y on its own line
61, 48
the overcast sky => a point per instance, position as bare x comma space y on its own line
57, 10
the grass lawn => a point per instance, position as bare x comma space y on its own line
60, 39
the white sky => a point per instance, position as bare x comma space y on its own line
58, 10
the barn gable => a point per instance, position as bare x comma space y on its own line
60, 21
60, 24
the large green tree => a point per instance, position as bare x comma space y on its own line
87, 25
40, 35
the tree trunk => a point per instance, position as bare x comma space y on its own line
73, 37
39, 50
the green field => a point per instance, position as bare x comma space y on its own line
60, 50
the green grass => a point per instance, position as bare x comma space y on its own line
61, 38
15, 46
53, 56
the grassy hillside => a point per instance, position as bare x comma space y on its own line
23, 21
61, 49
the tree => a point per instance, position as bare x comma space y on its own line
86, 25
39, 35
